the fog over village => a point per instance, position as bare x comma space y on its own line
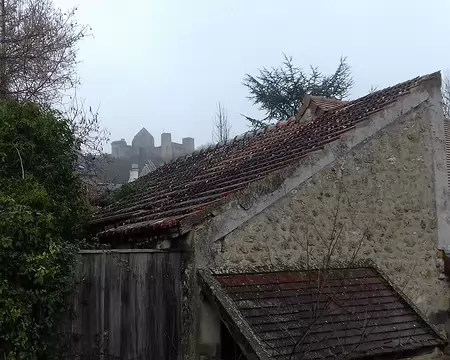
232, 180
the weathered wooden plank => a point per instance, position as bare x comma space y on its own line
132, 317
89, 308
114, 269
150, 336
128, 306
101, 314
107, 307
175, 261
158, 303
140, 263
125, 308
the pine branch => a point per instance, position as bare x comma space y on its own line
279, 91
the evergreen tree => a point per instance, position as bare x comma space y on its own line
279, 91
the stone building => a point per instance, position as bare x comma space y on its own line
324, 236
143, 145
142, 156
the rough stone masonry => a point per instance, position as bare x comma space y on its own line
374, 201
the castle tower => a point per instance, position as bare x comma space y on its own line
166, 146
119, 148
188, 145
143, 143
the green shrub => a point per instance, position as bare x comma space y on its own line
42, 211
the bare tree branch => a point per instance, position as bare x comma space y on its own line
446, 95
222, 126
21, 162
38, 48
326, 296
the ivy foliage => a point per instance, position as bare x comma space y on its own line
42, 211
123, 193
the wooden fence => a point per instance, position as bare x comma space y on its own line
127, 306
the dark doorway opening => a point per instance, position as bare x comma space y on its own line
229, 348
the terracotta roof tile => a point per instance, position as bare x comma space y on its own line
321, 314
327, 104
208, 175
318, 105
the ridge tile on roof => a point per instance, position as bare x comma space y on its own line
318, 105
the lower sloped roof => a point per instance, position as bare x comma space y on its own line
341, 313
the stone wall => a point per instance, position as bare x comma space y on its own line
376, 202
178, 150
209, 346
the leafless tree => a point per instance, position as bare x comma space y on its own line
373, 88
91, 137
38, 48
38, 58
86, 126
446, 95
222, 126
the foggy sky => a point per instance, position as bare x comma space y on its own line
165, 64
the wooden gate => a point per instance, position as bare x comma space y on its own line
127, 306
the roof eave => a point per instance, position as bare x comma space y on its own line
403, 296
236, 324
